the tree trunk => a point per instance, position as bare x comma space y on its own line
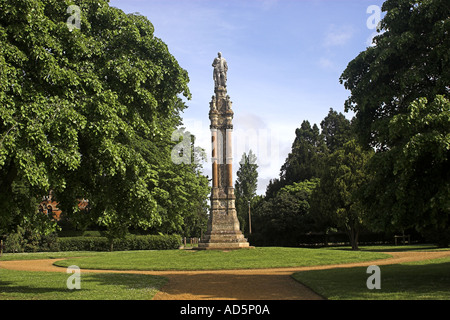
353, 234
355, 241
11, 174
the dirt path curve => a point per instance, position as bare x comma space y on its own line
251, 284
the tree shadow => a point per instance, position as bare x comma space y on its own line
235, 286
10, 287
93, 286
400, 281
391, 249
126, 280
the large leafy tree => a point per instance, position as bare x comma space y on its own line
337, 197
184, 192
417, 169
409, 61
87, 112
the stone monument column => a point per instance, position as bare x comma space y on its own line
223, 230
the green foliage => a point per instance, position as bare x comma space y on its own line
246, 186
130, 242
27, 240
284, 213
336, 130
415, 171
410, 59
183, 193
303, 162
281, 220
247, 177
337, 197
89, 113
398, 90
309, 149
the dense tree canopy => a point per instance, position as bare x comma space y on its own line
336, 130
309, 149
89, 102
399, 93
283, 214
410, 59
282, 220
337, 197
303, 162
411, 184
88, 112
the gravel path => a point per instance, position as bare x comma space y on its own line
251, 284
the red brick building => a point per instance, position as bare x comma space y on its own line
49, 207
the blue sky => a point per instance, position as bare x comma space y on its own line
284, 57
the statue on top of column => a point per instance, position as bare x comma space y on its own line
220, 71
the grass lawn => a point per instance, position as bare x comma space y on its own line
45, 255
21, 285
421, 280
268, 257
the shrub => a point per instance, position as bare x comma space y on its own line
93, 233
27, 241
131, 242
17, 242
79, 233
83, 244
13, 242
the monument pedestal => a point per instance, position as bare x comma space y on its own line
223, 232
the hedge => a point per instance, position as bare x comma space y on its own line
131, 242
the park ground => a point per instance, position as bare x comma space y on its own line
308, 274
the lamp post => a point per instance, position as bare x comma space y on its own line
249, 218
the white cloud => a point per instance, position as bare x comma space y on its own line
338, 36
270, 140
335, 37
269, 4
326, 63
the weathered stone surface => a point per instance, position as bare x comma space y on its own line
220, 71
223, 232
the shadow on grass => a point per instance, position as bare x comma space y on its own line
235, 286
19, 285
11, 287
426, 280
393, 248
125, 280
